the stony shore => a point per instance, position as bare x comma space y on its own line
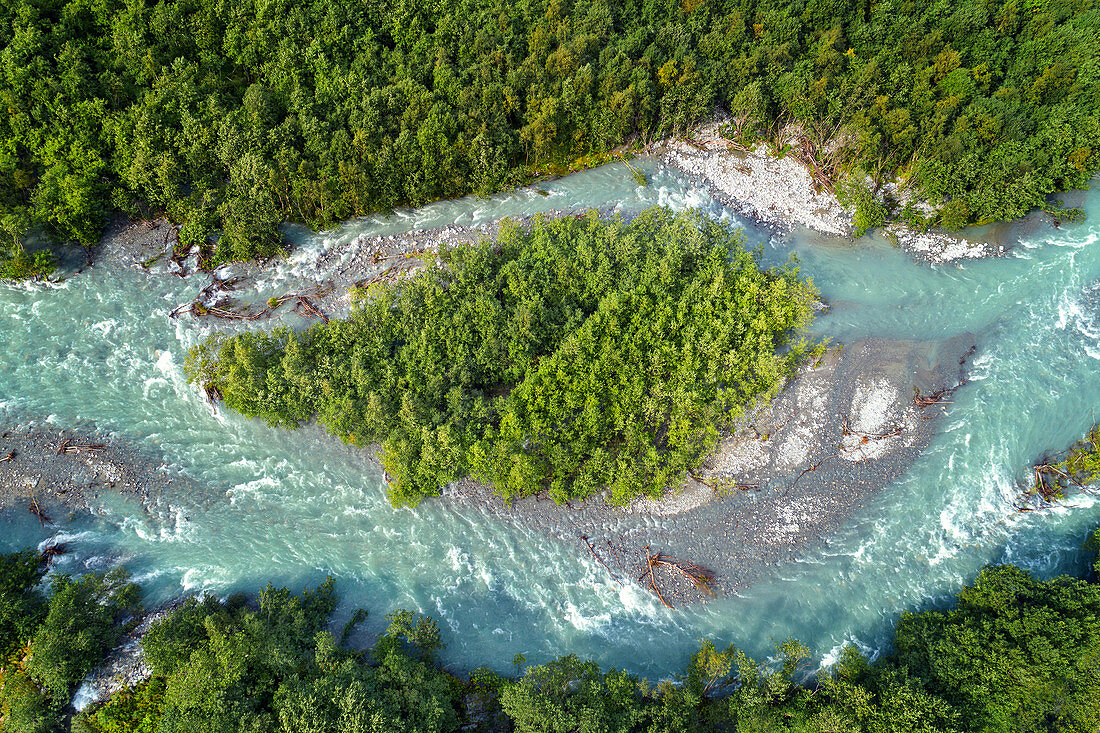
124, 666
61, 471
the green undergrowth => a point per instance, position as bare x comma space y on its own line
583, 355
19, 264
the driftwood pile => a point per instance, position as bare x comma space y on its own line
1050, 477
304, 307
1048, 482
52, 550
1047, 488
701, 578
822, 164
230, 309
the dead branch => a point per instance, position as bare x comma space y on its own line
653, 578
599, 559
37, 511
67, 447
181, 309
805, 471
615, 553
8, 457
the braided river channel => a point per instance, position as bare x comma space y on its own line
261, 504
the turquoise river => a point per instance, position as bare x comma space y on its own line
292, 507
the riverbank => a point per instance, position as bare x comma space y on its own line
798, 469
781, 193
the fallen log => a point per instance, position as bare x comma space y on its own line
936, 398
384, 276
721, 484
229, 315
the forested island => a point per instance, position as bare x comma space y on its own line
1013, 654
236, 117
579, 357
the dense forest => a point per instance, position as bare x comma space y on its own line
233, 117
577, 356
1014, 654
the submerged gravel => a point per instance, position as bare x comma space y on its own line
67, 471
